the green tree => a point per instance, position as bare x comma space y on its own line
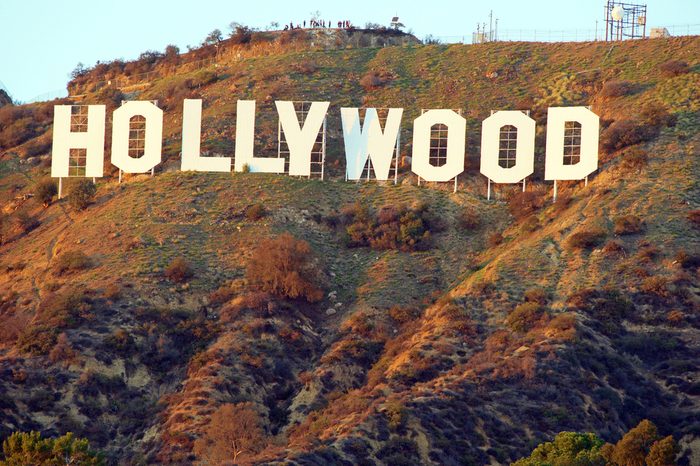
567, 449
214, 37
46, 190
28, 448
81, 194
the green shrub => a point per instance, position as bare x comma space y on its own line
46, 189
81, 194
38, 148
606, 307
25, 448
57, 311
567, 448
71, 261
403, 228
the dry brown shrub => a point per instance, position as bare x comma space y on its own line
71, 261
586, 239
495, 239
522, 204
375, 79
613, 249
694, 217
62, 351
628, 225
673, 68
656, 285
469, 219
613, 89
234, 433
635, 159
284, 267
179, 270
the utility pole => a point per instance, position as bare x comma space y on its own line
491, 26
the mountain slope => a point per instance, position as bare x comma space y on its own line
468, 352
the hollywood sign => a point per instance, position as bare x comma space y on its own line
571, 150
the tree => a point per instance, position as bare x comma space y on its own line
240, 33
45, 191
633, 447
172, 54
78, 71
172, 51
234, 431
567, 449
284, 266
214, 37
663, 452
28, 448
81, 194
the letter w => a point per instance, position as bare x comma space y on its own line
367, 141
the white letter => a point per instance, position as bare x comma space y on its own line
368, 141
191, 138
301, 140
586, 141
153, 137
245, 141
457, 128
524, 147
92, 140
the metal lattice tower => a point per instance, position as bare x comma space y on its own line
625, 20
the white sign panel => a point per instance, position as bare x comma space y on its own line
191, 141
368, 141
554, 168
491, 147
153, 142
456, 133
301, 139
93, 140
245, 143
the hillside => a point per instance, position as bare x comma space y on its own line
514, 320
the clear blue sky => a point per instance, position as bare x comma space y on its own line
41, 41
